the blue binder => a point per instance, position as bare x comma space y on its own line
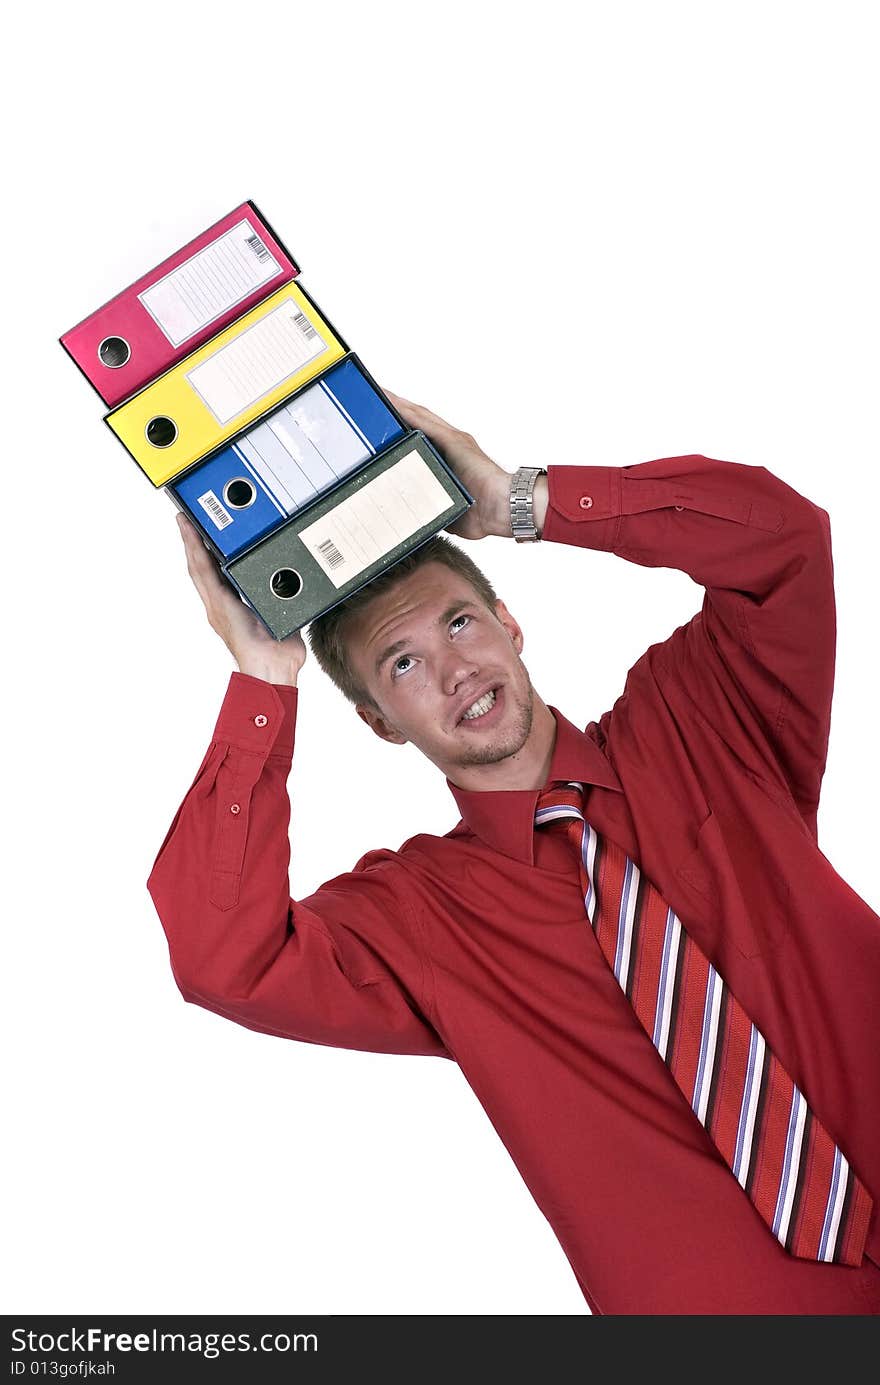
283, 463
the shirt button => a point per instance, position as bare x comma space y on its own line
679, 507
235, 807
260, 720
586, 501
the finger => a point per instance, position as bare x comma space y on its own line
193, 541
420, 413
200, 563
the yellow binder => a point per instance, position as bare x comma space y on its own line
226, 384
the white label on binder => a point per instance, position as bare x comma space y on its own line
210, 282
368, 524
303, 448
216, 512
257, 361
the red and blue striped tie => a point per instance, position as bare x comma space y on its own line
788, 1165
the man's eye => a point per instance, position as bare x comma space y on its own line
395, 667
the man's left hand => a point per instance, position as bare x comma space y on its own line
487, 482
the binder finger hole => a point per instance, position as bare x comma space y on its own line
114, 352
161, 431
285, 583
239, 493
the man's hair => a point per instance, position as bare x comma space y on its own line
327, 634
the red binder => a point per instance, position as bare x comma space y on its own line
180, 304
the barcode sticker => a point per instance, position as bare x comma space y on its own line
209, 283
331, 553
305, 326
216, 512
260, 250
367, 525
255, 362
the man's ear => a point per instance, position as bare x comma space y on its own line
517, 638
374, 718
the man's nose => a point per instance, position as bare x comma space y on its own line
457, 671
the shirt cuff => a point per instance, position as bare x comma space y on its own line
583, 505
258, 716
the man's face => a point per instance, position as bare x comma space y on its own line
426, 651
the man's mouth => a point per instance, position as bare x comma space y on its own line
484, 710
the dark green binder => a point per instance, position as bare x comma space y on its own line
324, 553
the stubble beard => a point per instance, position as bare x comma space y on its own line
512, 738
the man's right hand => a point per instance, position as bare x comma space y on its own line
255, 651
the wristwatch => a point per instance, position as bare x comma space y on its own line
522, 515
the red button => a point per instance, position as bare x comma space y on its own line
260, 720
679, 507
586, 502
235, 807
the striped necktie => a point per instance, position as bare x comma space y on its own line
784, 1159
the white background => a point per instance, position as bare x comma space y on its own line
585, 233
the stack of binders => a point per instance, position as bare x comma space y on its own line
231, 389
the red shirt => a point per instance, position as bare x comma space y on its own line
475, 946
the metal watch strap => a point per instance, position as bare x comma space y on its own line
522, 515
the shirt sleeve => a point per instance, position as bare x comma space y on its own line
343, 968
758, 658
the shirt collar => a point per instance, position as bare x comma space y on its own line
505, 818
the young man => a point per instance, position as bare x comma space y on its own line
657, 986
